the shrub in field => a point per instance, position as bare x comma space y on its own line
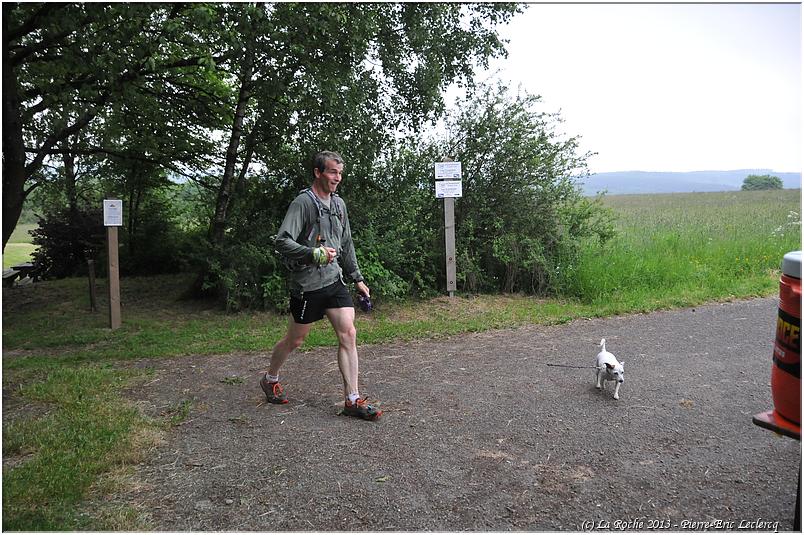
245, 276
153, 242
396, 222
149, 243
521, 218
249, 273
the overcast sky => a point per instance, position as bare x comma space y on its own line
679, 87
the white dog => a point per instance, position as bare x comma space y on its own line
608, 369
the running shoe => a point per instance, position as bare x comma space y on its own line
273, 391
361, 409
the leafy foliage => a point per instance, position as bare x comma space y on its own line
100, 80
152, 242
247, 276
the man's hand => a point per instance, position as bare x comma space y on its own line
324, 255
363, 289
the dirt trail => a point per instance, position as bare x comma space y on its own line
479, 434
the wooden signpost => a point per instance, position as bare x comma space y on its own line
113, 218
449, 187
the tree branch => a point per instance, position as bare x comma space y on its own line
92, 151
44, 44
33, 22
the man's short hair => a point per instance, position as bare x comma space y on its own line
320, 159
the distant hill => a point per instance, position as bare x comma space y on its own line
624, 182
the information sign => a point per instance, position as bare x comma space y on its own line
112, 213
449, 188
448, 171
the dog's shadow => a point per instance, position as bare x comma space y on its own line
607, 394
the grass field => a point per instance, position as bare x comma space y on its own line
68, 436
19, 247
686, 248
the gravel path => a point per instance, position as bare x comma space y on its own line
479, 434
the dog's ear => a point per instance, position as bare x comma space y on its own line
610, 366
622, 363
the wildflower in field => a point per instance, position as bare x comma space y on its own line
793, 220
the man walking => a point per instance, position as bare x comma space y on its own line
316, 240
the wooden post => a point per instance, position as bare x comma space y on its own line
113, 218
93, 296
449, 240
114, 277
445, 173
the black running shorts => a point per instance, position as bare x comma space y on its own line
310, 306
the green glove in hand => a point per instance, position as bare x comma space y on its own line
320, 256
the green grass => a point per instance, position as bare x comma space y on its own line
17, 253
21, 233
59, 359
63, 451
19, 247
690, 248
156, 324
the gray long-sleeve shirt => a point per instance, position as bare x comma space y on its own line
303, 230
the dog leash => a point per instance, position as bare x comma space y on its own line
577, 367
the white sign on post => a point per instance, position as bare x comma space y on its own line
449, 188
112, 213
448, 180
448, 171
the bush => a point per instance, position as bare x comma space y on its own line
384, 283
155, 244
246, 275
522, 216
149, 243
66, 239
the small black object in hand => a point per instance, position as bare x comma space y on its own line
364, 302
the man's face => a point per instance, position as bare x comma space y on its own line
329, 179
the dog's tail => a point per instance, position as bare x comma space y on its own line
602, 344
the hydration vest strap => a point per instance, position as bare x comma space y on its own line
320, 206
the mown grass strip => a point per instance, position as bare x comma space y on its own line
19, 247
187, 334
61, 453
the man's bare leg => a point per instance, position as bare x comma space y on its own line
294, 337
343, 321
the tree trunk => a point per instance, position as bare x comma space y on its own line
70, 179
217, 228
14, 173
134, 220
16, 170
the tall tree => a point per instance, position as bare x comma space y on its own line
227, 94
68, 67
758, 182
